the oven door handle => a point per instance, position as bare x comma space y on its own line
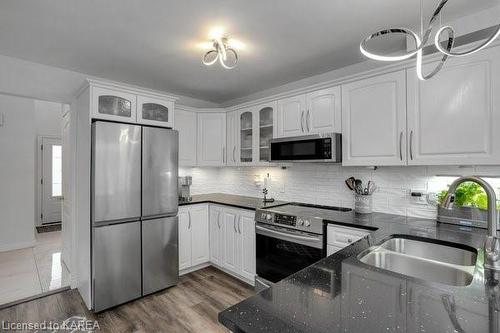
291, 236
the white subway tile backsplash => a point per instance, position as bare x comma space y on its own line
323, 184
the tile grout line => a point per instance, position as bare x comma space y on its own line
37, 270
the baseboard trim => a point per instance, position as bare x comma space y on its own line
194, 268
17, 246
239, 277
208, 264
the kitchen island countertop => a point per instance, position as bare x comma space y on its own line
342, 294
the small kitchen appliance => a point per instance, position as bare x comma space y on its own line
185, 188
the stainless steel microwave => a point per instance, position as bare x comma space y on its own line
311, 148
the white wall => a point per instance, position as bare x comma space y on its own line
25, 119
29, 79
323, 184
17, 201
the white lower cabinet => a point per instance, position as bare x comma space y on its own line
216, 235
339, 237
382, 294
232, 245
232, 240
194, 243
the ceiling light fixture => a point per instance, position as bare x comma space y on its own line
223, 52
421, 43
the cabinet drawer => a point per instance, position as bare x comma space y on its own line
343, 236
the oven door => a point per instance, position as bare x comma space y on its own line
282, 252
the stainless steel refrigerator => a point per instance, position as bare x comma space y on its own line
134, 212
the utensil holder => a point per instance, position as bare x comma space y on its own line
363, 204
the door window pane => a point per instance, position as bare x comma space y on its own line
266, 133
56, 170
246, 137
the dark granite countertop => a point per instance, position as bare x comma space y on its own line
237, 201
342, 294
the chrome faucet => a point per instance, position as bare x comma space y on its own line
492, 243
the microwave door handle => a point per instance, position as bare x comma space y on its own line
285, 234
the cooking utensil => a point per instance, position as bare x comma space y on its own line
359, 186
371, 187
350, 183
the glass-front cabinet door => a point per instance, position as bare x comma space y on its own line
246, 137
153, 111
112, 104
267, 130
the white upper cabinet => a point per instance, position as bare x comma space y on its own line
185, 123
131, 105
291, 114
266, 130
256, 127
155, 111
111, 104
315, 112
233, 151
211, 139
246, 137
454, 118
374, 121
324, 111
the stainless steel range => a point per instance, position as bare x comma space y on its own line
289, 238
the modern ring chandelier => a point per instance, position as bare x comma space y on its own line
421, 43
227, 56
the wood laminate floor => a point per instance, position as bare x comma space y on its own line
191, 306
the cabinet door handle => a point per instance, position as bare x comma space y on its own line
189, 215
218, 219
308, 119
234, 226
239, 224
400, 301
302, 121
411, 144
223, 155
234, 154
401, 145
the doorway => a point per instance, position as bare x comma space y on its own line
50, 171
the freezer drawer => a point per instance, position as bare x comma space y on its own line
116, 171
160, 254
160, 155
116, 265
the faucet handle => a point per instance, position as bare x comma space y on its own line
492, 253
448, 201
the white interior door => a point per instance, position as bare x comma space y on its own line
51, 181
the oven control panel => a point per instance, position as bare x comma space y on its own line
290, 221
285, 220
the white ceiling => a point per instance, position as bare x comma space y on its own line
153, 43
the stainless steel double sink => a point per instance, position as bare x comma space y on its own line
446, 264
